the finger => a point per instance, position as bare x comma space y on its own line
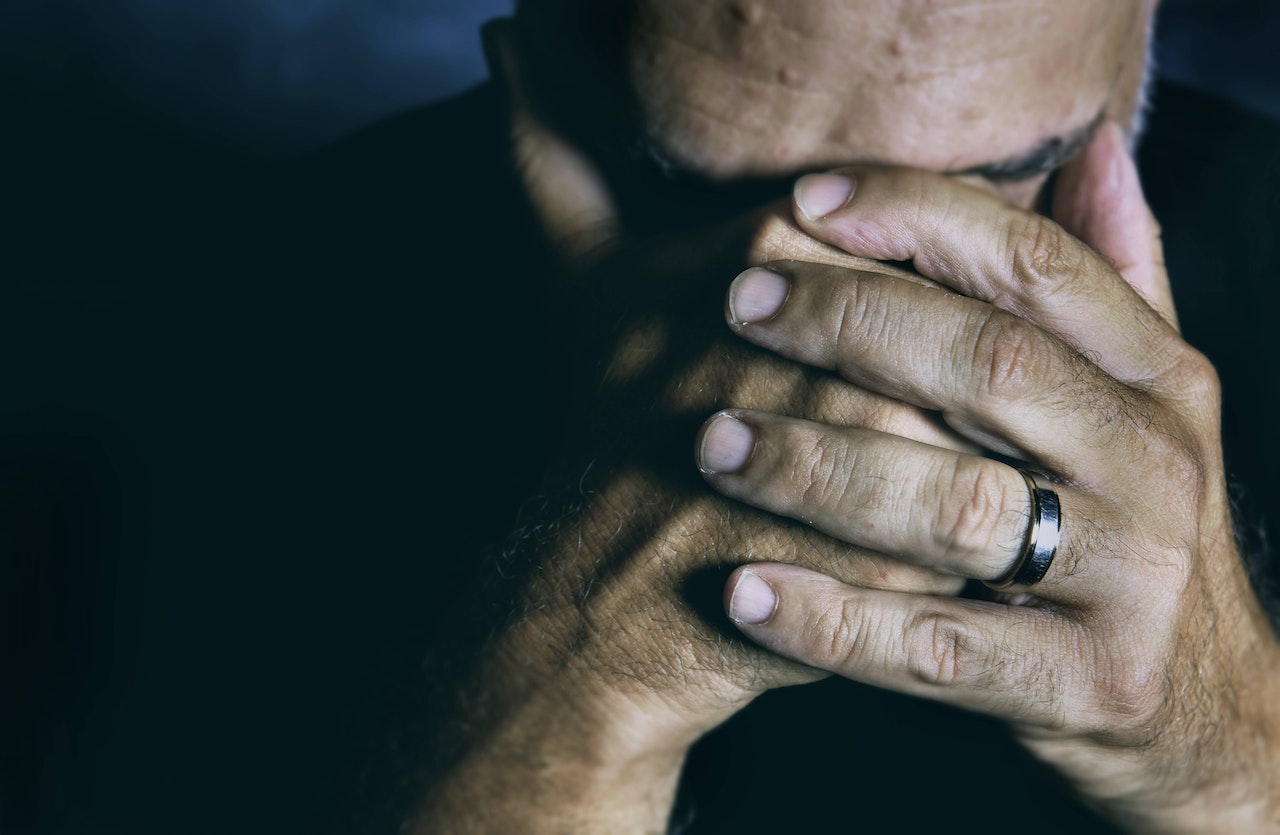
1019, 261
995, 377
981, 656
959, 514
1098, 198
568, 194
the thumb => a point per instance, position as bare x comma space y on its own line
1098, 198
567, 192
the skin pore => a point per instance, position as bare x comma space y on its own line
767, 88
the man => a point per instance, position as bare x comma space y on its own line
1138, 665
286, 474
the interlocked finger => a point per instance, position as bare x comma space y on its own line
953, 512
1015, 259
998, 379
977, 655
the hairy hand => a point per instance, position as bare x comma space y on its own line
602, 667
1141, 665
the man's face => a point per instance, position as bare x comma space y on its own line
744, 89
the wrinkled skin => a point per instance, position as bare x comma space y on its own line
616, 624
578, 711
1141, 665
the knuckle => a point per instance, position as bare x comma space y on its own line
841, 632
821, 472
970, 509
1199, 379
1131, 692
1182, 469
863, 318
1043, 257
1011, 355
943, 651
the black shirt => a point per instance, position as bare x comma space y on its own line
253, 428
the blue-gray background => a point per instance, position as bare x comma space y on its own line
261, 78
114, 693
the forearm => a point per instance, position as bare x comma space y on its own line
556, 780
1245, 803
1239, 771
1206, 760
531, 733
532, 743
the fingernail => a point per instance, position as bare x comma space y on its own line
753, 600
818, 195
726, 445
756, 296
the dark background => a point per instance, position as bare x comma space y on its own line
261, 78
110, 716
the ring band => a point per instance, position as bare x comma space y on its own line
1042, 536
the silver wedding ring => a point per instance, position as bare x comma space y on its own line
1042, 537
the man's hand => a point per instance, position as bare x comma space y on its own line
1141, 665
601, 670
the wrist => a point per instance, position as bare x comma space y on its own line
549, 767
517, 788
546, 748
1229, 779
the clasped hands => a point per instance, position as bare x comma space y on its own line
1141, 666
